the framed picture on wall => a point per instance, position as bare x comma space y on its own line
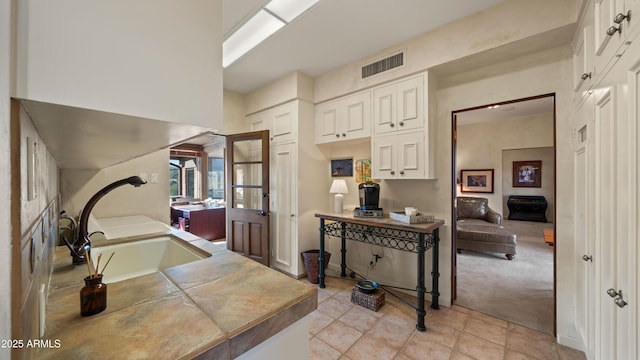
476, 181
527, 173
342, 167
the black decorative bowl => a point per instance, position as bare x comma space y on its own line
367, 286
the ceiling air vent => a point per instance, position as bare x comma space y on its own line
383, 65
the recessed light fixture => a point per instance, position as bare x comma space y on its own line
493, 107
271, 18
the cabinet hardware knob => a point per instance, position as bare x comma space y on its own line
393, 172
620, 302
401, 172
337, 135
401, 123
392, 124
613, 30
587, 258
620, 17
586, 76
344, 135
293, 215
612, 292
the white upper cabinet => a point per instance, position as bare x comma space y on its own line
614, 21
399, 156
281, 121
399, 106
347, 118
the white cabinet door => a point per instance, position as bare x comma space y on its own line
410, 104
606, 240
283, 123
612, 27
344, 119
583, 71
399, 156
410, 155
399, 106
584, 223
357, 122
283, 207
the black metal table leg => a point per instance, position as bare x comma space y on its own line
343, 260
321, 256
435, 272
420, 289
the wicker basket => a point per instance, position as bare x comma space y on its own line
373, 301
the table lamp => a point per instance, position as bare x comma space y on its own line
338, 187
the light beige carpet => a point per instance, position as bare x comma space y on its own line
520, 290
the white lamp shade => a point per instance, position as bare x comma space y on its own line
339, 186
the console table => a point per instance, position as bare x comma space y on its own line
527, 208
415, 238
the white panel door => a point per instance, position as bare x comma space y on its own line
605, 216
384, 157
357, 122
410, 104
384, 109
284, 120
327, 123
283, 167
410, 155
584, 223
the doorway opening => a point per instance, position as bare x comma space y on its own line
503, 159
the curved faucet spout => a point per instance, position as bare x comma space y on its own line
82, 241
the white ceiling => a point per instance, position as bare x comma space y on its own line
509, 110
334, 33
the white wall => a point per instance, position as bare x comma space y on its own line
78, 186
481, 145
156, 59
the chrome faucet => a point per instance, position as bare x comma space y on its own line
81, 246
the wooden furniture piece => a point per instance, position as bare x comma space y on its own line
527, 208
548, 236
206, 222
415, 238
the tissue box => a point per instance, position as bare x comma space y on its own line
413, 219
373, 301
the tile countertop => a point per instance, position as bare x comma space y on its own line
218, 307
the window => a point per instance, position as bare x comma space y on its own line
216, 178
185, 173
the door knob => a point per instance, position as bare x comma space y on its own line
262, 213
620, 302
620, 17
612, 292
613, 30
587, 258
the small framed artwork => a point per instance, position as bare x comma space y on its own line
342, 167
363, 171
477, 181
527, 173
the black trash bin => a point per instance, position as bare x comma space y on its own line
312, 264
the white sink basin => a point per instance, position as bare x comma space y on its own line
146, 256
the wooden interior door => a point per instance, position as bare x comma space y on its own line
248, 195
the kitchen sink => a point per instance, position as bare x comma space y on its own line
145, 256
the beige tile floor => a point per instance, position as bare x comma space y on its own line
342, 330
